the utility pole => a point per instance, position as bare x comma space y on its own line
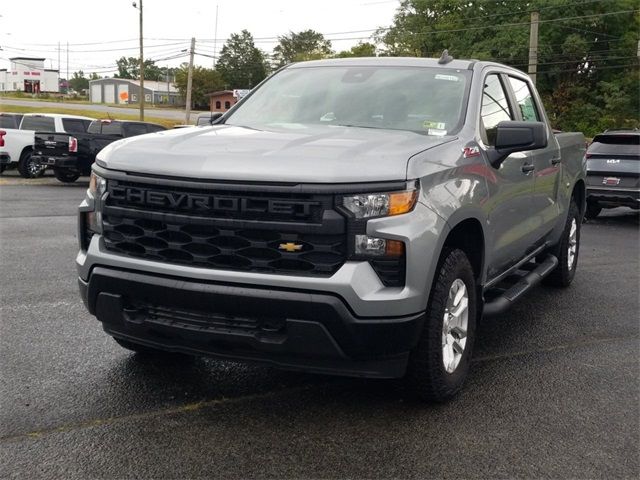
215, 39
190, 81
67, 66
533, 47
168, 94
141, 94
59, 67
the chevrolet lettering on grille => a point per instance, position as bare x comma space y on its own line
210, 203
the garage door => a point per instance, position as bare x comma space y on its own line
110, 93
123, 93
96, 93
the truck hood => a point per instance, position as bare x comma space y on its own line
318, 154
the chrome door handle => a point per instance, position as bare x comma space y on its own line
528, 167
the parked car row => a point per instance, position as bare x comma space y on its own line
66, 143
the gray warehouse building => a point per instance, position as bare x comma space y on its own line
124, 90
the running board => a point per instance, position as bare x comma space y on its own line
503, 302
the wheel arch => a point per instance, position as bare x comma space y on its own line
579, 194
25, 150
468, 235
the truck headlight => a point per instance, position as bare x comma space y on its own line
371, 205
97, 186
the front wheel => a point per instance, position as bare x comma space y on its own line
28, 167
65, 176
439, 364
567, 250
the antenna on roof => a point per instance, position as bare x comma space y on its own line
445, 57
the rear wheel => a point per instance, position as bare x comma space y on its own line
439, 364
65, 176
28, 167
567, 250
593, 210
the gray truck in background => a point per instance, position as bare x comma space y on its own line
350, 216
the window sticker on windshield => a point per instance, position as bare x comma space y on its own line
450, 78
437, 131
439, 125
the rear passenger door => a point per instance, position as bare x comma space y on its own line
511, 185
546, 161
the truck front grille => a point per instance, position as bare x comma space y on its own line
143, 221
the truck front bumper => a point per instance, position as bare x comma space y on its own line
292, 329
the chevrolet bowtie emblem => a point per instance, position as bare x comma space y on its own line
290, 247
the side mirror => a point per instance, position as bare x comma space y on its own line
514, 137
215, 116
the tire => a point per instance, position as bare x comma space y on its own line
28, 168
65, 176
2, 168
567, 251
145, 351
593, 210
428, 376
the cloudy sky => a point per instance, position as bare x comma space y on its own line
100, 31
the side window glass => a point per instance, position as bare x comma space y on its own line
526, 104
495, 107
71, 125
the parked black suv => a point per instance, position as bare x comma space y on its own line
613, 171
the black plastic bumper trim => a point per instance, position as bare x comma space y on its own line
320, 333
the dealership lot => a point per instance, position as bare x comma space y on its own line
553, 390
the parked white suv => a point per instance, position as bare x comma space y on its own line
16, 144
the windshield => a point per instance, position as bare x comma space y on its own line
425, 100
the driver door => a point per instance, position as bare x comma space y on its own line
510, 188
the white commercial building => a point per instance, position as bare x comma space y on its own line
27, 74
124, 90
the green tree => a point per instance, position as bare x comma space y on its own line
205, 80
587, 65
298, 47
241, 63
78, 82
130, 68
360, 50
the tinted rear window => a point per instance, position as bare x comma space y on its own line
613, 139
155, 128
8, 121
112, 128
74, 125
44, 124
133, 129
615, 145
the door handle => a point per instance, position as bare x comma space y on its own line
555, 161
528, 167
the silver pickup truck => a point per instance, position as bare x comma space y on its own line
353, 217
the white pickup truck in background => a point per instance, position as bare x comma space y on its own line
16, 139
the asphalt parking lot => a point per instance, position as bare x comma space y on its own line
553, 392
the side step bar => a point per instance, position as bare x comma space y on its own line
502, 302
